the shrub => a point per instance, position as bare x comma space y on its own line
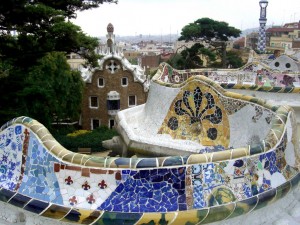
86, 139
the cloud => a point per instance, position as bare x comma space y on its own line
133, 17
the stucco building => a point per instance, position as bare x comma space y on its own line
115, 85
285, 37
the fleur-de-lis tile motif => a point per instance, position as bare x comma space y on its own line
69, 180
73, 200
90, 199
102, 184
197, 114
86, 186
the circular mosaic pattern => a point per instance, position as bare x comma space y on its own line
212, 133
177, 78
173, 123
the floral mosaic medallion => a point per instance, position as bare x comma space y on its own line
197, 114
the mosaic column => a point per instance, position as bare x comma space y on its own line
262, 26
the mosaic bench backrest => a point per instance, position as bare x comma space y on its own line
203, 112
38, 175
253, 76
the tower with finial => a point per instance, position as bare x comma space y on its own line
262, 26
110, 38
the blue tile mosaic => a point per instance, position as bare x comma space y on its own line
126, 194
39, 181
36, 206
11, 142
160, 190
19, 200
5, 195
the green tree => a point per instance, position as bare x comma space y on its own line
42, 26
49, 90
32, 32
214, 33
190, 58
234, 59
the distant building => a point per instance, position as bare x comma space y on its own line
75, 61
240, 43
283, 38
182, 45
115, 85
150, 61
149, 48
251, 40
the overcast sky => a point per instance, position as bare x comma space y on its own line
162, 17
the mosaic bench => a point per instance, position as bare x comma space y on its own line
84, 150
195, 115
39, 176
254, 75
255, 79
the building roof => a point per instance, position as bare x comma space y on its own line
293, 25
280, 29
137, 71
113, 53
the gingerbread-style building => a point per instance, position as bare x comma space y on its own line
113, 86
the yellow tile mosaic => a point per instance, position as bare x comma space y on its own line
197, 114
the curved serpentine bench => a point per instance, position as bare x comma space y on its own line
38, 175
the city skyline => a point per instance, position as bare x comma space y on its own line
162, 17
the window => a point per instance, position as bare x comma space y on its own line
111, 123
95, 123
112, 66
277, 64
113, 104
124, 81
94, 102
287, 65
101, 82
131, 100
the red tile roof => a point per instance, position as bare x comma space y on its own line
279, 29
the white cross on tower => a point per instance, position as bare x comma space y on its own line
112, 66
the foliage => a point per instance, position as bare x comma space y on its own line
51, 85
153, 72
91, 139
5, 67
234, 59
192, 57
208, 30
215, 33
31, 33
177, 62
30, 29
